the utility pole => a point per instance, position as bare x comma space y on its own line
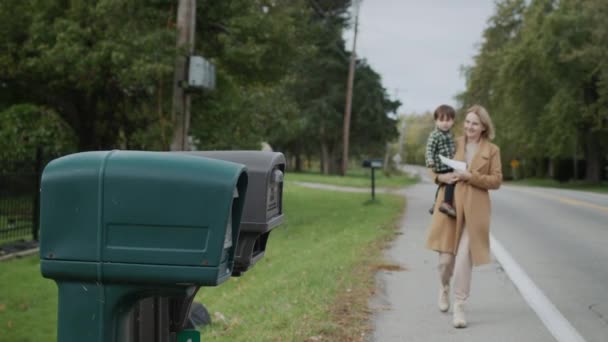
402, 124
186, 19
349, 94
401, 139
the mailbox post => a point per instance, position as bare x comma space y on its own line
373, 164
120, 226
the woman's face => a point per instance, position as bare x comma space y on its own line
472, 127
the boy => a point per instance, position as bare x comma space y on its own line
441, 142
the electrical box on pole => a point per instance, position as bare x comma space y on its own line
201, 73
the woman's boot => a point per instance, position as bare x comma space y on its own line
460, 320
444, 298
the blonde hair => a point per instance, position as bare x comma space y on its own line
485, 119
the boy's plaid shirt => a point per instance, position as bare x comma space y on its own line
439, 143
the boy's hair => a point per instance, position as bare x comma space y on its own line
444, 112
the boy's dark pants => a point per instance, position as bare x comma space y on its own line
449, 194
449, 190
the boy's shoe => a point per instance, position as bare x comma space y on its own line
447, 209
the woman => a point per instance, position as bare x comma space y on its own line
464, 242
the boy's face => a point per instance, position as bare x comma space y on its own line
444, 123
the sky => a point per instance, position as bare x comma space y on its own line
418, 47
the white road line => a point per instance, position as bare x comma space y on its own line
555, 322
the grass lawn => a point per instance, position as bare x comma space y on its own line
313, 282
28, 302
573, 185
359, 177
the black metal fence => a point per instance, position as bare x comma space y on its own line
19, 198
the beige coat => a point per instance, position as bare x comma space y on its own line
472, 204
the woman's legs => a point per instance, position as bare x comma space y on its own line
463, 269
446, 268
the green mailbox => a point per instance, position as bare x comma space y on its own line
119, 226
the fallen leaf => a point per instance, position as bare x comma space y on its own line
390, 267
9, 324
2, 307
219, 317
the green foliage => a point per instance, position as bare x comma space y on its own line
105, 67
371, 127
417, 130
319, 91
541, 72
27, 127
94, 62
255, 49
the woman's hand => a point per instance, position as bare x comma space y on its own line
447, 178
462, 175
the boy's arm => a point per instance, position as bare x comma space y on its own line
434, 176
431, 147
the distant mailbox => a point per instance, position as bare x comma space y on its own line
372, 163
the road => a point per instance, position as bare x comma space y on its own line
558, 239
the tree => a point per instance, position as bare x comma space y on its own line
576, 32
97, 64
27, 127
371, 124
256, 46
417, 130
541, 73
483, 79
104, 67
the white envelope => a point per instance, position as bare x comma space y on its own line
454, 164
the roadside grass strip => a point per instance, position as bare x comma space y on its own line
28, 302
317, 274
312, 284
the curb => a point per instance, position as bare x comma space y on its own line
20, 254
